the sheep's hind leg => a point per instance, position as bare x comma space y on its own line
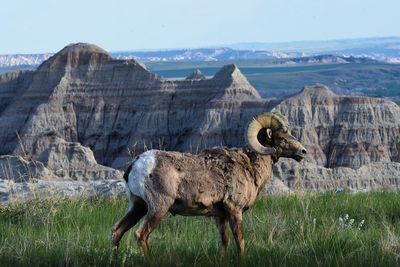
235, 221
150, 222
222, 224
134, 214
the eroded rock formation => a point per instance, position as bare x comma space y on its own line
82, 100
18, 169
83, 95
348, 131
352, 141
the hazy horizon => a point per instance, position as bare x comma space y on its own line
47, 26
211, 46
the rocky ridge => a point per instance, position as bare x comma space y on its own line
352, 141
82, 94
82, 100
11, 191
342, 130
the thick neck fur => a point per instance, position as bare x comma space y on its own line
262, 166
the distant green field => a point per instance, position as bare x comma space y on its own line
298, 230
382, 80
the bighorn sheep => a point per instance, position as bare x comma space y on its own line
217, 182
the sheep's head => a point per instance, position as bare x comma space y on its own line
269, 134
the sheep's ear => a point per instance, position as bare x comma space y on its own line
269, 134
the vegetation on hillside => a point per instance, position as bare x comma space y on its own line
371, 79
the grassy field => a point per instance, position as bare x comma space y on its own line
372, 79
299, 230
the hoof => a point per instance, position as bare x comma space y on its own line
115, 240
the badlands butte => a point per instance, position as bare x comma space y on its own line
82, 115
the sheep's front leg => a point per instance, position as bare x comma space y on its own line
222, 225
235, 221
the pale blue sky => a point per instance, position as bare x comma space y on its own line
33, 26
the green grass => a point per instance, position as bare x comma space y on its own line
371, 79
297, 230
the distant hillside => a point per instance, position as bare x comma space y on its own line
226, 54
381, 48
23, 59
201, 54
309, 52
357, 78
11, 62
179, 55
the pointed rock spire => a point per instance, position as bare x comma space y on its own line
235, 82
196, 75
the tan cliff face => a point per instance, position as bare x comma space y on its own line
347, 131
115, 108
352, 141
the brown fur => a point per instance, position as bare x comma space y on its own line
217, 182
211, 182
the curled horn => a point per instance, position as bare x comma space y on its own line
267, 122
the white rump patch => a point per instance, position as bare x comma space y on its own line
141, 170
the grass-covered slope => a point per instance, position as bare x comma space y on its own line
305, 230
371, 79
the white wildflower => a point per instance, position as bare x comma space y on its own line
346, 222
361, 224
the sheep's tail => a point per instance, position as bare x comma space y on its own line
126, 174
